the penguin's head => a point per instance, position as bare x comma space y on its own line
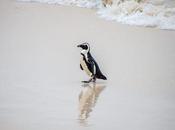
85, 47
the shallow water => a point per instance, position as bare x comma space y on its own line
89, 107
40, 78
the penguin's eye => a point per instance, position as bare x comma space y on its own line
85, 47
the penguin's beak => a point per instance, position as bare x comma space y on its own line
78, 45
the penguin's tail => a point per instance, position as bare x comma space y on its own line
102, 77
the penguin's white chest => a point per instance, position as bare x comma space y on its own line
85, 67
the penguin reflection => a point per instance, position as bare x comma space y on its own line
88, 98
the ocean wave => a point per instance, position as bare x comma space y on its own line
148, 13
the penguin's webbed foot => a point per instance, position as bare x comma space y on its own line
91, 80
86, 81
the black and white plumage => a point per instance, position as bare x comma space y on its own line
89, 65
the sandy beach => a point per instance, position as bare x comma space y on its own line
40, 78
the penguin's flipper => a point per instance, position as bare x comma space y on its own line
92, 67
95, 69
81, 67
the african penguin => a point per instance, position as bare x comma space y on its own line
89, 65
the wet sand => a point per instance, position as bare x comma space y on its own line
40, 78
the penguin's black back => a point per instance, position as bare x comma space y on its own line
90, 63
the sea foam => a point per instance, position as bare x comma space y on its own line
141, 14
150, 13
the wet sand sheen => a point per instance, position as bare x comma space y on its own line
88, 98
40, 79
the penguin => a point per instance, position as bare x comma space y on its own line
89, 65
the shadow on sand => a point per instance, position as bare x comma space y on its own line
87, 99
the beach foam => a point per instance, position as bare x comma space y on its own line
152, 13
143, 14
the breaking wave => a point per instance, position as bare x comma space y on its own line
148, 13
